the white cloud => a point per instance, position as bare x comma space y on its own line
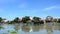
49, 8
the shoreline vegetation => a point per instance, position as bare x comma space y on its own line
28, 20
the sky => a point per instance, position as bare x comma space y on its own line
11, 9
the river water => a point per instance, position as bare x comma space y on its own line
29, 29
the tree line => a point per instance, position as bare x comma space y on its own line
27, 19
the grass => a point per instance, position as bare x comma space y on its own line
57, 24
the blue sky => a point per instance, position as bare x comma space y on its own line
10, 9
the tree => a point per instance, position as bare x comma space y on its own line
17, 20
55, 20
1, 20
49, 19
36, 20
25, 19
58, 20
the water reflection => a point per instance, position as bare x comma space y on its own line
17, 29
26, 28
36, 28
49, 28
1, 27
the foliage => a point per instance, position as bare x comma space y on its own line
16, 20
55, 20
1, 19
36, 19
58, 20
25, 19
49, 19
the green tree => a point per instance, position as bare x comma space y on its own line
16, 20
55, 20
25, 19
36, 20
58, 20
49, 19
1, 20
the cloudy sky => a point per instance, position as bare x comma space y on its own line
10, 9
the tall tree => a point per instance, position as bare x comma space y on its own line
36, 20
1, 19
55, 20
16, 20
25, 19
58, 20
49, 19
